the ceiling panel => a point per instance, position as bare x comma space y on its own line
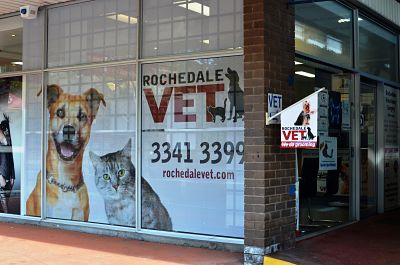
9, 6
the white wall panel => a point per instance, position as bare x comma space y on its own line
388, 8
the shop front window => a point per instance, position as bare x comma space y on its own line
90, 171
392, 143
325, 30
175, 27
93, 31
193, 132
325, 190
10, 144
11, 44
378, 50
32, 149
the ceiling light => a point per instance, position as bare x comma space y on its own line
344, 20
306, 74
123, 18
17, 63
297, 63
195, 7
206, 41
13, 35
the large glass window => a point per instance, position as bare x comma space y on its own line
32, 148
172, 27
378, 50
90, 175
11, 142
33, 34
325, 30
193, 146
10, 44
325, 191
93, 31
192, 116
392, 147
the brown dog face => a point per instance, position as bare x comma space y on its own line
306, 106
71, 118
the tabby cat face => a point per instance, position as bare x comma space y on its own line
114, 173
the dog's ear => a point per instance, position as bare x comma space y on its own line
126, 151
53, 93
94, 158
94, 98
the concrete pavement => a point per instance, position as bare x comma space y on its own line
27, 244
374, 241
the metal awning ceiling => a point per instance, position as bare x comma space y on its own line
10, 6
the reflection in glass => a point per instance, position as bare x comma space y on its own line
324, 194
173, 27
32, 139
325, 30
93, 31
378, 50
10, 144
368, 200
11, 44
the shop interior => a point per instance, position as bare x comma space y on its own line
324, 194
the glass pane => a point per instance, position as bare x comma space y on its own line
33, 143
378, 50
325, 30
392, 147
11, 144
33, 42
10, 44
193, 146
325, 192
91, 145
94, 31
173, 27
368, 200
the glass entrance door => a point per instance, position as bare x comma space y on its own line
368, 185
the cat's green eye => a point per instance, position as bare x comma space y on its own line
121, 172
106, 177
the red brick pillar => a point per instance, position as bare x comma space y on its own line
269, 171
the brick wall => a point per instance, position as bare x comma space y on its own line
269, 170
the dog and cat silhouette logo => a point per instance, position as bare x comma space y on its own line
235, 97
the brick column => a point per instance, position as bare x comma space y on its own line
269, 170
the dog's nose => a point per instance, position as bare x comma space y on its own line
68, 132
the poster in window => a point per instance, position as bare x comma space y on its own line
193, 124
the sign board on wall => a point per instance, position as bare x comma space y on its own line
274, 107
299, 124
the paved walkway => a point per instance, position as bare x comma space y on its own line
26, 244
374, 241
